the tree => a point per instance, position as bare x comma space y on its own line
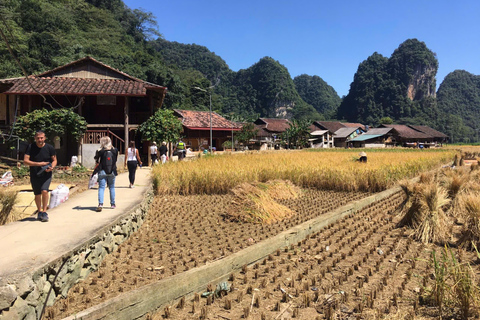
161, 126
298, 133
385, 120
247, 133
53, 123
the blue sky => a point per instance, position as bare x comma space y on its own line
324, 38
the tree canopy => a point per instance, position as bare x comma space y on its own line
163, 125
54, 122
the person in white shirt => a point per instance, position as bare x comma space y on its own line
132, 159
153, 153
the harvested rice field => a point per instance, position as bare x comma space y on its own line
184, 232
412, 255
363, 267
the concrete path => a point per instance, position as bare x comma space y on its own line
30, 244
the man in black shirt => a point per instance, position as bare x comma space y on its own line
163, 152
41, 158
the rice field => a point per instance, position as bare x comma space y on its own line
325, 170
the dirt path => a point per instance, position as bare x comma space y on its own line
183, 232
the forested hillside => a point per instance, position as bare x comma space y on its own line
459, 100
401, 87
44, 34
316, 92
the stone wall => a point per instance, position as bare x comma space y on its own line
24, 297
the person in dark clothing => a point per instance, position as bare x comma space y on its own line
163, 152
363, 157
41, 158
105, 178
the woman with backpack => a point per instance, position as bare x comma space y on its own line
106, 158
132, 159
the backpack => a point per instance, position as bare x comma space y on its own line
107, 162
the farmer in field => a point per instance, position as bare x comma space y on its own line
363, 157
41, 158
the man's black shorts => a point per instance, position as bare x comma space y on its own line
40, 183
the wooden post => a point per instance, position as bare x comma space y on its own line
126, 132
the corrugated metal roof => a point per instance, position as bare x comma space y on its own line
344, 132
318, 132
365, 137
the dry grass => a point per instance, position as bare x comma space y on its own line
257, 203
8, 199
328, 170
424, 211
471, 231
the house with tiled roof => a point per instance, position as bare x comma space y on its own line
437, 136
197, 125
269, 131
406, 136
112, 102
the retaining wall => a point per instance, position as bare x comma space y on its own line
24, 297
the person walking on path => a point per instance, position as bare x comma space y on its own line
181, 150
153, 153
132, 159
106, 157
163, 152
41, 158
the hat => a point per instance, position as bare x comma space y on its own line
154, 143
362, 154
164, 143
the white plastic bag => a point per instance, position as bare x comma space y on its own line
93, 181
59, 195
7, 179
74, 161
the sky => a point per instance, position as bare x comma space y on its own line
324, 38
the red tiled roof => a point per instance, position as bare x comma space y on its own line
406, 132
273, 125
429, 131
79, 86
200, 120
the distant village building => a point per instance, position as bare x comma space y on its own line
269, 131
196, 129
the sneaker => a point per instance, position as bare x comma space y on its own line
99, 208
43, 216
39, 215
113, 206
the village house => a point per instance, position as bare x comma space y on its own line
269, 132
373, 138
320, 137
408, 136
196, 129
113, 103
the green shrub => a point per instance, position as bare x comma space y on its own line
20, 172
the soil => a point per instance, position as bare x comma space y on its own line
362, 267
173, 238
